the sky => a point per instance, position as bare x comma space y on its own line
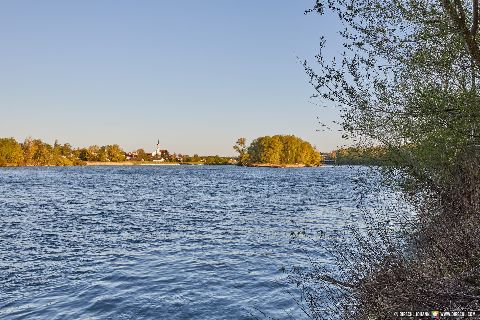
196, 75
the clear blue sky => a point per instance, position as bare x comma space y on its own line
195, 74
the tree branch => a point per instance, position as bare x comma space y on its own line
457, 16
474, 28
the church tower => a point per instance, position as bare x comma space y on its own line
158, 152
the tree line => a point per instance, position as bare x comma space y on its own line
277, 150
35, 152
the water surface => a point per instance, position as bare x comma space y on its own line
183, 242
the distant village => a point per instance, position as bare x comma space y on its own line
35, 152
163, 155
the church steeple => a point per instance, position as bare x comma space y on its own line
158, 152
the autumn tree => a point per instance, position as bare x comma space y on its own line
11, 153
37, 152
115, 153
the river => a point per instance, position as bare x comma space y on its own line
182, 242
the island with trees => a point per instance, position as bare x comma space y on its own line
277, 151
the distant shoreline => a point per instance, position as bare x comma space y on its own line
138, 163
271, 165
131, 163
150, 163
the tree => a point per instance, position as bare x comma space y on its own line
102, 154
115, 153
29, 149
141, 155
407, 82
241, 147
37, 153
195, 158
61, 155
84, 154
11, 153
407, 76
465, 22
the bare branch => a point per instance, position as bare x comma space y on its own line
474, 18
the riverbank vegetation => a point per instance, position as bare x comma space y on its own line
35, 152
408, 81
277, 150
359, 156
